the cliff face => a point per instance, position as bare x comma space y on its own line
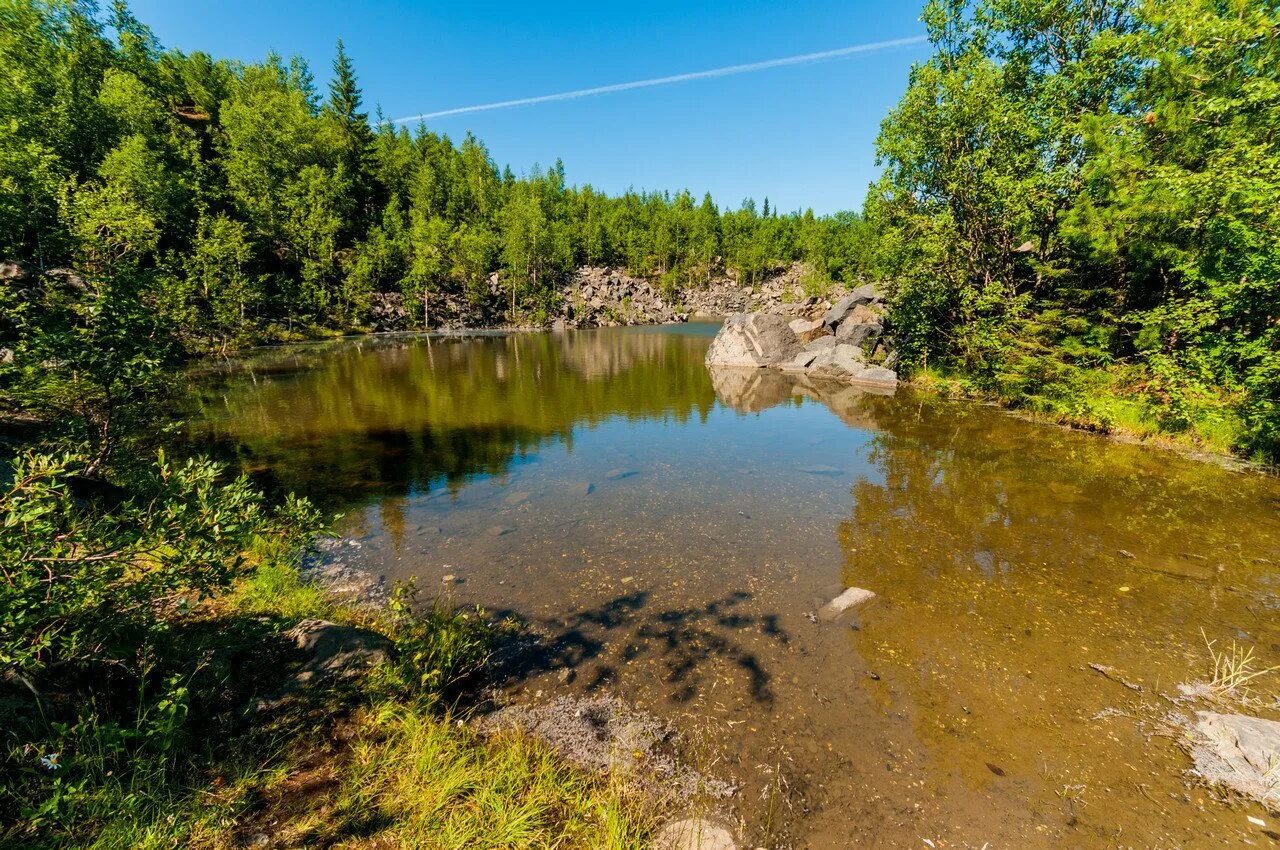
600, 296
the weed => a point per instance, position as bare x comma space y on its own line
1233, 669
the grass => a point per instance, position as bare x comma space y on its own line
1233, 669
385, 762
1101, 400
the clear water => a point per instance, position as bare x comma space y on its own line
671, 530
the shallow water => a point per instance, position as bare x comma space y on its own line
671, 531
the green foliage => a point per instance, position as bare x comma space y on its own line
89, 583
1083, 186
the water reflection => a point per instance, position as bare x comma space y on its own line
360, 420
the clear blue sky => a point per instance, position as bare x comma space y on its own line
802, 135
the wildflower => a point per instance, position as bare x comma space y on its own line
53, 761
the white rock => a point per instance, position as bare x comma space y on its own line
852, 596
694, 834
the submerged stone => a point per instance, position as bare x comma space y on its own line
852, 596
694, 834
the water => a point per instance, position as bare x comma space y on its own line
671, 530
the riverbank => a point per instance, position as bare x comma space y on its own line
314, 720
1111, 415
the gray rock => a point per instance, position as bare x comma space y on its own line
1239, 752
822, 343
852, 596
694, 834
753, 339
861, 334
334, 651
839, 310
6, 355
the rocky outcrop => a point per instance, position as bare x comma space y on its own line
605, 297
843, 344
387, 312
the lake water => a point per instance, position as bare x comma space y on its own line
671, 530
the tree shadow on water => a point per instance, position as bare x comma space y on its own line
681, 645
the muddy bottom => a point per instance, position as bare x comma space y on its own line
671, 532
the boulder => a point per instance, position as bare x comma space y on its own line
1239, 752
865, 294
840, 310
861, 334
6, 355
753, 339
847, 362
334, 651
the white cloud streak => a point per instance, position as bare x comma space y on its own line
730, 70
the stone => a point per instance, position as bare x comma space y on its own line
558, 326
839, 310
807, 330
848, 599
861, 334
694, 834
847, 362
753, 339
1239, 752
335, 651
6, 355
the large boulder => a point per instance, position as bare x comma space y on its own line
845, 362
753, 339
841, 309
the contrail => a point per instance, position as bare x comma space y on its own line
678, 78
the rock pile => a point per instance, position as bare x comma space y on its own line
725, 294
605, 297
843, 344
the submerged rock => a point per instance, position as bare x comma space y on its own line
694, 834
852, 596
1239, 752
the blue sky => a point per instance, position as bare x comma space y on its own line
803, 136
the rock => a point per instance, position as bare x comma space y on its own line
13, 270
809, 354
852, 596
6, 355
387, 312
861, 334
753, 339
1239, 752
839, 310
581, 488
334, 651
558, 326
694, 834
807, 330
847, 362
867, 294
